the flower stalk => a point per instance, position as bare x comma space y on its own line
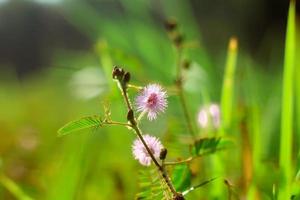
119, 75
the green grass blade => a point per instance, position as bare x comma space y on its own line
227, 96
83, 123
13, 188
285, 159
228, 83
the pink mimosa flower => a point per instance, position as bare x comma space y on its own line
140, 152
209, 116
152, 99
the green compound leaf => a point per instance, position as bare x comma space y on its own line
152, 186
181, 177
83, 123
210, 145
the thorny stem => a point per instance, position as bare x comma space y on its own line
181, 93
135, 127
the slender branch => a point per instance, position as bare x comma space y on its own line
125, 95
181, 93
187, 160
198, 186
118, 123
191, 158
134, 86
185, 111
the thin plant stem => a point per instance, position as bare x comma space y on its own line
127, 101
191, 158
187, 160
197, 186
181, 92
134, 87
118, 123
13, 188
135, 127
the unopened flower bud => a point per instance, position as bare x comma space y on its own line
117, 73
170, 25
163, 153
186, 64
130, 117
178, 40
126, 77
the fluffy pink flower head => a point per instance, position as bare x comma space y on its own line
152, 99
140, 152
209, 115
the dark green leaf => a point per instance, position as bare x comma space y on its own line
83, 123
210, 145
181, 177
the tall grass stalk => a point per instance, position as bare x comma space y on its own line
255, 129
226, 111
228, 83
297, 93
285, 159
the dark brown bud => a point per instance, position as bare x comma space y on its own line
178, 40
130, 117
126, 77
163, 154
186, 64
117, 73
170, 25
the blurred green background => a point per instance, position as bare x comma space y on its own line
56, 59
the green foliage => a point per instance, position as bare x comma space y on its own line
285, 159
102, 168
152, 187
227, 96
13, 188
181, 177
210, 145
83, 123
